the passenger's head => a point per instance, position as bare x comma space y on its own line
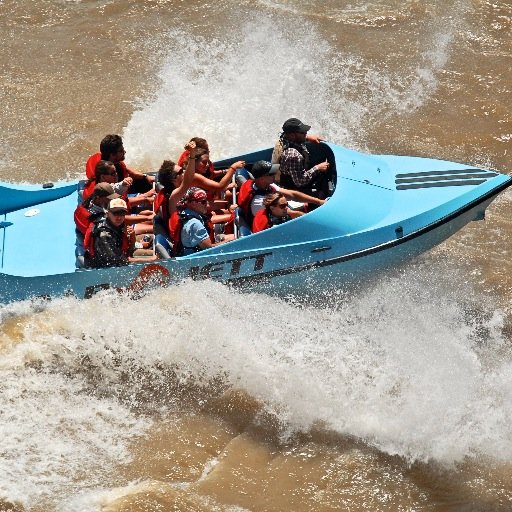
102, 194
200, 143
117, 211
105, 172
295, 130
276, 204
170, 175
264, 173
111, 148
196, 200
202, 160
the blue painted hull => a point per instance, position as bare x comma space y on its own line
385, 210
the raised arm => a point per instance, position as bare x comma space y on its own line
211, 185
188, 177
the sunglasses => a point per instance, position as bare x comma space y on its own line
202, 201
118, 214
283, 206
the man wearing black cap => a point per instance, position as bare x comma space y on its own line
253, 191
296, 172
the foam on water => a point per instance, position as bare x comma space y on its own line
53, 431
237, 89
411, 367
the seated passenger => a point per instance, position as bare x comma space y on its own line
105, 172
94, 207
109, 242
275, 211
202, 162
209, 171
112, 149
191, 228
296, 171
174, 182
252, 192
143, 203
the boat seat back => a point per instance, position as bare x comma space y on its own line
242, 175
162, 247
241, 224
80, 188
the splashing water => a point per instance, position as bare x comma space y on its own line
411, 367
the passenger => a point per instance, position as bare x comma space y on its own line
94, 207
209, 171
109, 242
174, 182
112, 149
295, 168
105, 172
143, 218
191, 228
275, 211
202, 162
253, 191
278, 147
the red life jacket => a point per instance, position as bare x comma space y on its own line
88, 189
261, 221
176, 223
245, 197
90, 167
161, 206
81, 217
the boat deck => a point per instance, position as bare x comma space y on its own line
22, 255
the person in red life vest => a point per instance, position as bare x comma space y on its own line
105, 172
109, 242
191, 228
253, 191
212, 187
173, 181
275, 211
112, 149
209, 170
143, 215
94, 207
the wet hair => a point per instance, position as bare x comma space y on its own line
167, 175
109, 145
102, 167
200, 143
199, 153
272, 198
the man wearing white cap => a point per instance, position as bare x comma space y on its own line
110, 243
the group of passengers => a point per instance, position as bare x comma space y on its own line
191, 206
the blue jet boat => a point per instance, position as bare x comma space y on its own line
384, 211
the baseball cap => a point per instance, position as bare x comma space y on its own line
105, 190
264, 168
295, 125
117, 205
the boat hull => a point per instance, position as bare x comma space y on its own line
385, 211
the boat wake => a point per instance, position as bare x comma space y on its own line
411, 367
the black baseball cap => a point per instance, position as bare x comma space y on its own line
264, 168
295, 125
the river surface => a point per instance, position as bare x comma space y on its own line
395, 397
